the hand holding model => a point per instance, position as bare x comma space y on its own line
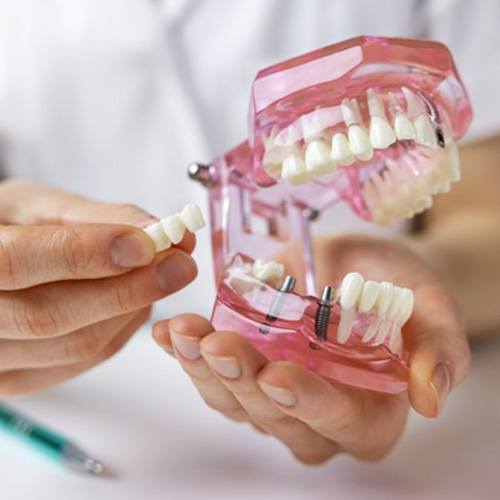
77, 279
313, 417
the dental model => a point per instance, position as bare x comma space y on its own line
170, 230
371, 122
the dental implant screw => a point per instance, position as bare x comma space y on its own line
201, 173
274, 311
322, 318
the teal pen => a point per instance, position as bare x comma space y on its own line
50, 443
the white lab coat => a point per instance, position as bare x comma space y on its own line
113, 98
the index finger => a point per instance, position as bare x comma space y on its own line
32, 255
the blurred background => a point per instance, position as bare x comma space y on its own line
112, 99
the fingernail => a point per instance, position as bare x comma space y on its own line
175, 272
189, 347
281, 395
132, 250
226, 366
440, 383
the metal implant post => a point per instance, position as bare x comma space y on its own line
201, 173
323, 313
286, 287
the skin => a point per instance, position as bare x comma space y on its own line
77, 279
453, 266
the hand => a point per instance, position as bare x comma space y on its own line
77, 278
314, 418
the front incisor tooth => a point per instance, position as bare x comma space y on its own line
359, 142
369, 296
350, 290
424, 130
407, 304
174, 228
192, 217
345, 325
404, 128
381, 133
157, 234
340, 149
318, 158
396, 303
294, 170
384, 297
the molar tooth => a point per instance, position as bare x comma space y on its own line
425, 133
267, 270
157, 234
384, 297
318, 158
174, 228
192, 217
350, 290
340, 149
294, 170
381, 133
404, 128
359, 142
369, 295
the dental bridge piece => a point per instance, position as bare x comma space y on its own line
371, 122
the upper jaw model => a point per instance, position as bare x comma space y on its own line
370, 121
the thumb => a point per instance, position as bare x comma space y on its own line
439, 352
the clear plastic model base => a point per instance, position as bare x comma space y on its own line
372, 122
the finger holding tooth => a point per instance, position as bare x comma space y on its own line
171, 229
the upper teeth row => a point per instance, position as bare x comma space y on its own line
170, 230
391, 304
323, 153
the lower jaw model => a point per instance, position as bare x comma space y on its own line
372, 122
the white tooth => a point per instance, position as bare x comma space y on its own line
445, 187
350, 111
340, 149
294, 170
396, 304
359, 142
414, 105
381, 133
157, 234
350, 290
368, 296
267, 270
384, 297
318, 158
384, 329
424, 130
192, 217
408, 301
375, 104
404, 128
396, 342
345, 325
174, 228
372, 329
